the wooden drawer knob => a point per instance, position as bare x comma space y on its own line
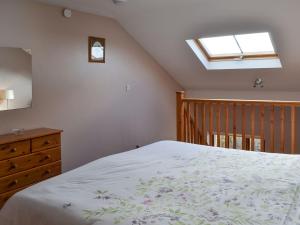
47, 157
47, 172
47, 142
13, 183
13, 166
13, 150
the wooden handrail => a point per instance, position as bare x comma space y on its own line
247, 122
245, 102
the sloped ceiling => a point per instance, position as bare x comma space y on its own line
162, 26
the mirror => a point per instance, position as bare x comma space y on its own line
15, 78
96, 50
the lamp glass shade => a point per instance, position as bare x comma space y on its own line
10, 94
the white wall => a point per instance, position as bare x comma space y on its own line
87, 100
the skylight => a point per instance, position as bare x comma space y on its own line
234, 46
220, 46
244, 51
255, 43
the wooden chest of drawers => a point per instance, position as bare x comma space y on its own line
28, 158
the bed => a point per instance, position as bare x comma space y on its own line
166, 183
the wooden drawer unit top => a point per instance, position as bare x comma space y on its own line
27, 135
20, 164
46, 142
15, 149
28, 177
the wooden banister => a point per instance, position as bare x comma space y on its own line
257, 125
246, 102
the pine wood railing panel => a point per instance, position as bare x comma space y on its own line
244, 124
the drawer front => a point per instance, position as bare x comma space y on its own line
23, 163
5, 196
42, 143
15, 149
26, 178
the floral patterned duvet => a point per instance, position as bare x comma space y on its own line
167, 183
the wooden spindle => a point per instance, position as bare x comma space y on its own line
247, 144
272, 132
184, 125
204, 142
234, 125
191, 124
226, 125
180, 115
196, 125
253, 127
211, 142
243, 127
192, 129
218, 114
293, 130
282, 129
188, 109
262, 128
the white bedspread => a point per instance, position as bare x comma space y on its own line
163, 184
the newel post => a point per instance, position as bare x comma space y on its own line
179, 114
